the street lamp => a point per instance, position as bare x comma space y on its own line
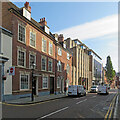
96, 74
33, 84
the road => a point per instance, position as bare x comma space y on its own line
90, 106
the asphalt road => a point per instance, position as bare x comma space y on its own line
90, 106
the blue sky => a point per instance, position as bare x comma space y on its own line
94, 23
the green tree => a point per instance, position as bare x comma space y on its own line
110, 73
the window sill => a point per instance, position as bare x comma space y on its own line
22, 42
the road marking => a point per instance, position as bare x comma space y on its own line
54, 112
116, 107
81, 101
17, 105
107, 114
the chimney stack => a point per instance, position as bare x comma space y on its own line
61, 38
26, 5
43, 22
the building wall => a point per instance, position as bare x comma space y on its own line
6, 49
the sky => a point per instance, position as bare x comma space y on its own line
94, 23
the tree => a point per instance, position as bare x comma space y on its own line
110, 73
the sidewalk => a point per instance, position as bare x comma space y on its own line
27, 100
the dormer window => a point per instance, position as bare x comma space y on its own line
26, 14
46, 29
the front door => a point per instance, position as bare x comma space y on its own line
51, 85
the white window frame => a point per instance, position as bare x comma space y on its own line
68, 56
59, 64
30, 39
22, 50
68, 68
58, 81
50, 48
49, 59
59, 51
42, 82
29, 59
43, 40
18, 33
28, 81
45, 63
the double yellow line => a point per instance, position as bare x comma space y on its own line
110, 110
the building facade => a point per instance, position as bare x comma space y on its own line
80, 62
34, 44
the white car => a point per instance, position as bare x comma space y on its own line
77, 90
102, 89
94, 88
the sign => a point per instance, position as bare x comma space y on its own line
11, 70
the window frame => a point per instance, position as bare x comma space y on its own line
35, 39
49, 59
50, 48
43, 39
42, 81
59, 51
28, 81
29, 59
18, 33
45, 63
68, 56
18, 57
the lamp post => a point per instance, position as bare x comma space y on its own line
96, 74
33, 85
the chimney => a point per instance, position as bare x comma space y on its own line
61, 38
26, 5
43, 22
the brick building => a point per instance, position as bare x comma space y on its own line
33, 43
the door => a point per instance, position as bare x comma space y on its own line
36, 86
51, 85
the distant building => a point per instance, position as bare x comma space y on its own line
80, 62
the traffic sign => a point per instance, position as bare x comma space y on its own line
11, 70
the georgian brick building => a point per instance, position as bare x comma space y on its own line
33, 43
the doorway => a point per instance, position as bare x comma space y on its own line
51, 85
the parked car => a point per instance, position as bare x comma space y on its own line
94, 88
77, 90
103, 89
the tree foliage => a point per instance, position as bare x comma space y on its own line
110, 73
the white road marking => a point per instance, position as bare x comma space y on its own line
116, 109
54, 112
81, 101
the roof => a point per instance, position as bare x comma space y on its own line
14, 9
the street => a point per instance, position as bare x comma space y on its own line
90, 106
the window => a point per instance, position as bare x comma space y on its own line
24, 82
32, 60
44, 82
43, 63
68, 68
50, 48
58, 82
21, 58
59, 51
59, 66
44, 45
68, 56
50, 65
21, 33
32, 39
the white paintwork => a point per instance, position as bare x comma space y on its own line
26, 14
103, 89
47, 30
6, 49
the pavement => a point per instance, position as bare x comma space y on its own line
37, 99
118, 112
